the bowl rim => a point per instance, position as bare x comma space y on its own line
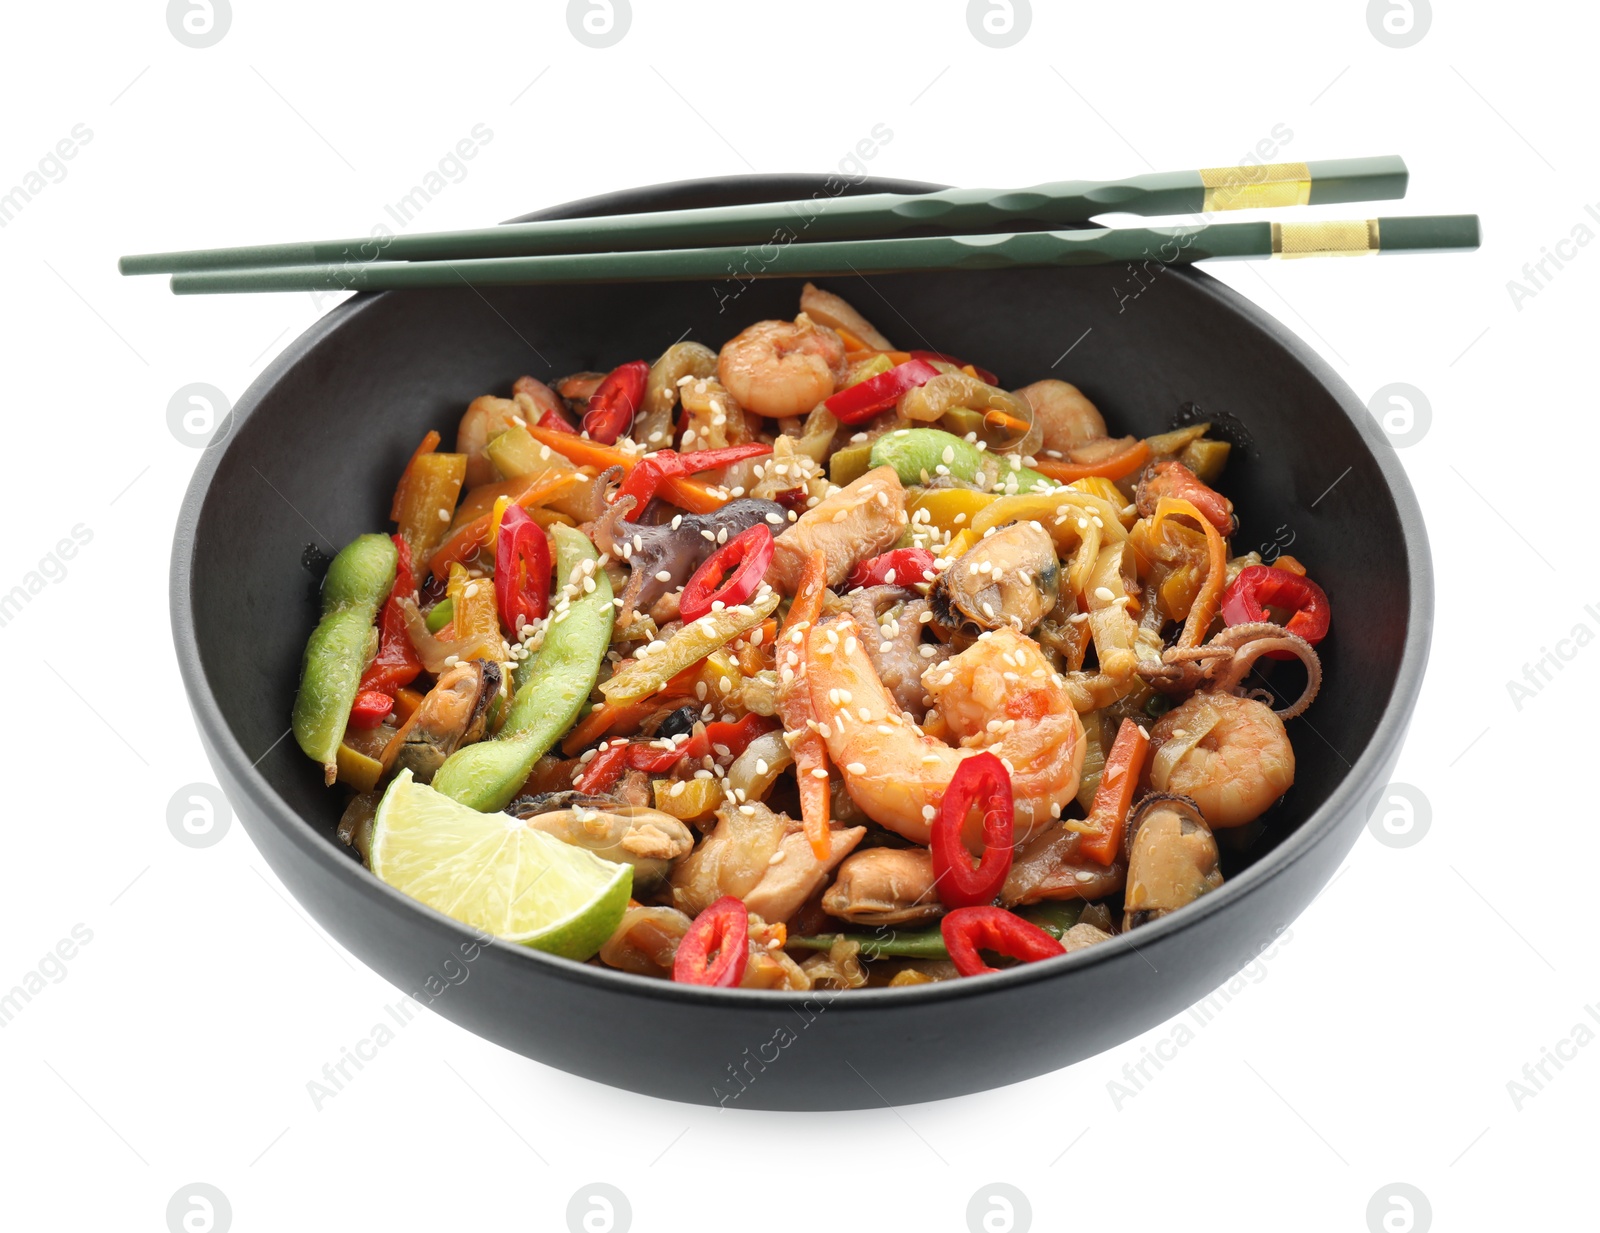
1351, 793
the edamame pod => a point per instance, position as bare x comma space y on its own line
358, 580
916, 454
551, 687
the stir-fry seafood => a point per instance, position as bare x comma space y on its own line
809, 662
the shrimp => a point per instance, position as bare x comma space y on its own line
782, 368
1066, 417
1228, 754
998, 695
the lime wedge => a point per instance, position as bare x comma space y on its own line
497, 873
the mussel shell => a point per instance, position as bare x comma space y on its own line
965, 602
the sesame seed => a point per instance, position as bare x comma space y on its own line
857, 768
818, 772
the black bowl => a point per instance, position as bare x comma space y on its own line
312, 454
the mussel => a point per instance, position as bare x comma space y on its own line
1172, 858
1011, 578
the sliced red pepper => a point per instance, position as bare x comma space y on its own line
1261, 586
966, 931
396, 664
902, 566
983, 374
555, 421
1115, 793
606, 767
612, 405
521, 569
723, 928
602, 770
865, 399
980, 780
370, 709
734, 737
654, 469
747, 555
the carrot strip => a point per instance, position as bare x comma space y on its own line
684, 491
866, 353
1109, 813
1118, 466
583, 453
1208, 602
604, 719
696, 496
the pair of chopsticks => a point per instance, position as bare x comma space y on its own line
855, 235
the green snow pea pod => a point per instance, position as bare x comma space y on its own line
916, 454
551, 688
358, 580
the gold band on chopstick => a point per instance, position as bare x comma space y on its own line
1351, 239
1255, 188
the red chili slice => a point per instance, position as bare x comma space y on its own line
370, 709
521, 569
968, 930
396, 664
865, 399
652, 469
612, 405
556, 422
1261, 586
980, 780
723, 928
751, 551
904, 566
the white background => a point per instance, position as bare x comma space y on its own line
1373, 1047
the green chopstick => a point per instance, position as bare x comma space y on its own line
829, 216
1099, 246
